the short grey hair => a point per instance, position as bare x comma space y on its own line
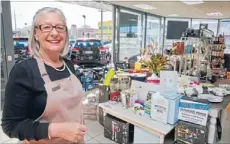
33, 44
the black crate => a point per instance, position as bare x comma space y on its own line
191, 133
118, 130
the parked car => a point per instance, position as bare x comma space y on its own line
89, 51
21, 50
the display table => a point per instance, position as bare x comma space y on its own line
215, 109
145, 129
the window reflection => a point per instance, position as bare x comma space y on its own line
225, 30
153, 32
131, 34
212, 24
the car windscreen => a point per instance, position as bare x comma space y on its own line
88, 43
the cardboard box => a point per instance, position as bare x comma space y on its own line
173, 107
104, 93
191, 133
194, 110
101, 116
118, 130
90, 104
159, 108
90, 111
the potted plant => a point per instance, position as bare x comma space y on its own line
155, 63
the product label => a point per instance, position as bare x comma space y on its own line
159, 108
193, 112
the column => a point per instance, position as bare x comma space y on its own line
8, 34
7, 48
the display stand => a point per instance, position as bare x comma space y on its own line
146, 129
195, 56
217, 55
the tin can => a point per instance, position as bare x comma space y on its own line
124, 100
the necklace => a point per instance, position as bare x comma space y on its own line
64, 66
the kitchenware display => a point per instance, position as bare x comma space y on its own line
225, 86
128, 98
218, 91
211, 98
114, 85
124, 83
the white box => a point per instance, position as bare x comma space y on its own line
159, 108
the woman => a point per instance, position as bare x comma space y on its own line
43, 96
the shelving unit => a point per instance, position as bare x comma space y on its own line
194, 56
217, 54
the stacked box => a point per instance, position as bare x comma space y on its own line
191, 133
101, 116
147, 107
173, 107
90, 104
193, 115
118, 130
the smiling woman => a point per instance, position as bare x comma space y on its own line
45, 105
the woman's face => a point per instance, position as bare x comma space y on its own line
51, 32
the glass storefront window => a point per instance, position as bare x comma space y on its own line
212, 24
131, 34
225, 30
168, 43
153, 32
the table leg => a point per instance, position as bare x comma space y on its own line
212, 126
162, 139
223, 114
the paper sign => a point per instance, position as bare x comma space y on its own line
168, 82
193, 112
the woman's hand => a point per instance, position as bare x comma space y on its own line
71, 131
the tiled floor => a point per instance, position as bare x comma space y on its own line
95, 133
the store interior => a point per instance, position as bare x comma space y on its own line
162, 75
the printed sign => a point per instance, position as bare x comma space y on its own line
193, 112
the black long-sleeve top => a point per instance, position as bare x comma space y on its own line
25, 100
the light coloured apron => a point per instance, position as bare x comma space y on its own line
64, 102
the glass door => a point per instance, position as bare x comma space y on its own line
131, 34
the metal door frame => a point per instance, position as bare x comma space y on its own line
6, 41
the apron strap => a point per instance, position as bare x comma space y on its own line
42, 69
70, 72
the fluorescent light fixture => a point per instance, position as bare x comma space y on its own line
192, 2
215, 14
145, 6
173, 15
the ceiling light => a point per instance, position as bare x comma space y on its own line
215, 14
173, 15
144, 6
192, 2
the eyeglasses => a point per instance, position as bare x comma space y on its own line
49, 28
